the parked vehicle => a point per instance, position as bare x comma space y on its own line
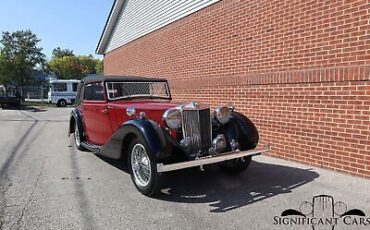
9, 96
135, 119
62, 92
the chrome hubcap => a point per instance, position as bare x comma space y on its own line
140, 165
77, 136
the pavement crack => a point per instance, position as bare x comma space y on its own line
32, 193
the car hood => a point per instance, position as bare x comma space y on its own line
153, 110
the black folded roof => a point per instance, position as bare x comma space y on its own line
92, 79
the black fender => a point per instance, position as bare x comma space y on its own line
76, 117
155, 137
242, 129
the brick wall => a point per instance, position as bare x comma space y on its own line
299, 69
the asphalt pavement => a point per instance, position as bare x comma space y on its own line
45, 183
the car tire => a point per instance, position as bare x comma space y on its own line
148, 183
235, 166
62, 103
77, 137
18, 105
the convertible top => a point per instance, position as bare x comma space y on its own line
92, 79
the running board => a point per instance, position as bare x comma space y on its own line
91, 147
212, 159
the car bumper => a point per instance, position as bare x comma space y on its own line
212, 159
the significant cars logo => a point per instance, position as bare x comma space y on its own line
323, 214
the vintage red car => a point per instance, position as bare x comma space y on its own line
135, 119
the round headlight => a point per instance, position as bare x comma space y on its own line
223, 114
172, 118
219, 143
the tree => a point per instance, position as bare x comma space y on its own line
19, 56
59, 53
89, 63
99, 67
67, 67
71, 66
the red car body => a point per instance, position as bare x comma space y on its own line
135, 119
102, 118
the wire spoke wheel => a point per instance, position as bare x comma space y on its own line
140, 165
77, 135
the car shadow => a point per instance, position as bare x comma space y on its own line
225, 192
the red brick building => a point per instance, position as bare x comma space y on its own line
299, 69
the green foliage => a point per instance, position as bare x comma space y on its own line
89, 63
59, 53
71, 66
67, 67
19, 56
99, 67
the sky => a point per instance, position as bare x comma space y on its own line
70, 24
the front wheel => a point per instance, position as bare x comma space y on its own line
236, 166
143, 168
77, 137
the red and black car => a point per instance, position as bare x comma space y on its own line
135, 119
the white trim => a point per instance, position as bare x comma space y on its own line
109, 25
132, 19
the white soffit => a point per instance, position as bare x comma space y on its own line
132, 19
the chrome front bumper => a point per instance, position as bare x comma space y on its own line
212, 159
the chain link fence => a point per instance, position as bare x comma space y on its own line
34, 93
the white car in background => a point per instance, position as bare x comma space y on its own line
63, 92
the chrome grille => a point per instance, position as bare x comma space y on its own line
196, 127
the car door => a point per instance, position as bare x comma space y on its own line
95, 114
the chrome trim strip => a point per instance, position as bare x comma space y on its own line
194, 126
91, 147
212, 159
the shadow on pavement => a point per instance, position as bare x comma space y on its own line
26, 108
227, 192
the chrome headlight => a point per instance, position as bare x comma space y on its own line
219, 143
172, 118
223, 114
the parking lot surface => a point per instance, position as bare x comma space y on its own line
45, 183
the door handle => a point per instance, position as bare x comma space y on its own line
105, 110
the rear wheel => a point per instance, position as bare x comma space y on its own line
143, 168
236, 166
62, 103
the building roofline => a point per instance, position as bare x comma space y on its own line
109, 25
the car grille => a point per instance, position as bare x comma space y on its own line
196, 127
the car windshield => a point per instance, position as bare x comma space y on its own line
121, 90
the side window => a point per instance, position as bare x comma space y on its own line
74, 87
94, 92
80, 94
60, 87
